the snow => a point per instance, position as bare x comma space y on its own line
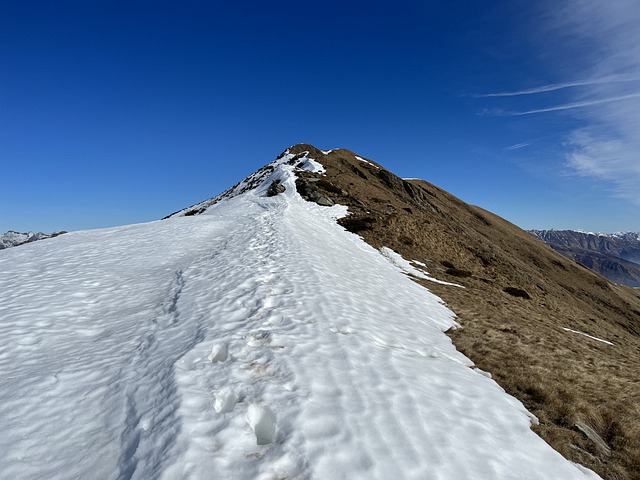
259, 340
587, 335
366, 161
406, 267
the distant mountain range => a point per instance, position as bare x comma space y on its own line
12, 239
615, 256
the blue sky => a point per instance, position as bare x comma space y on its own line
123, 112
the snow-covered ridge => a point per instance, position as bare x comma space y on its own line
258, 341
622, 235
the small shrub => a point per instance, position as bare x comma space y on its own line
406, 240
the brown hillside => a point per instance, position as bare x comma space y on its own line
519, 296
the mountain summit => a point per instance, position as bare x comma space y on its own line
254, 335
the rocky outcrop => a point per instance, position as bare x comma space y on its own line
275, 188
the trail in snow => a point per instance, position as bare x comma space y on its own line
258, 341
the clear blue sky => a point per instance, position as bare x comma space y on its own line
122, 112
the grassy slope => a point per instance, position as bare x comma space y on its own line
562, 377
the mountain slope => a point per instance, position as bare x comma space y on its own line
615, 256
257, 340
519, 301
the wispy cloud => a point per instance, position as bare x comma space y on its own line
517, 146
609, 159
608, 147
628, 77
601, 40
570, 106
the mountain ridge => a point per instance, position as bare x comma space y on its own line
498, 262
256, 336
257, 339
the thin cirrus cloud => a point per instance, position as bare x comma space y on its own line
499, 112
516, 146
573, 105
630, 77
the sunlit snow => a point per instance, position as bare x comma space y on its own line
587, 335
257, 341
405, 266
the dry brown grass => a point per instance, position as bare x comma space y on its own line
561, 377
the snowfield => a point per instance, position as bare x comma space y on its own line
259, 340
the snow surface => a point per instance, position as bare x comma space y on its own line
405, 266
366, 161
259, 340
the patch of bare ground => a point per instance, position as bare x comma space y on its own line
520, 296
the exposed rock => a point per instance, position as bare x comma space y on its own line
324, 201
275, 188
357, 224
591, 434
317, 190
517, 292
457, 272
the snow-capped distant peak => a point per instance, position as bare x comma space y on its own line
12, 238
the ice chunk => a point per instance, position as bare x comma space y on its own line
263, 423
218, 353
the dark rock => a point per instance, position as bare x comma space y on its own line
387, 178
359, 172
357, 224
275, 188
456, 272
517, 292
324, 201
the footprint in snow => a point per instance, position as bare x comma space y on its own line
259, 338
